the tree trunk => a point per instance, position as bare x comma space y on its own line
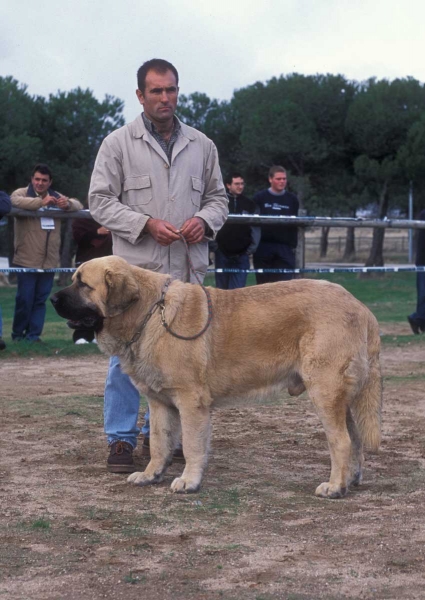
376, 256
350, 244
324, 241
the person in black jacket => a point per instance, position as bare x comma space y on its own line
276, 249
93, 241
235, 241
5, 206
417, 319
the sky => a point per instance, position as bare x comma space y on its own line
217, 46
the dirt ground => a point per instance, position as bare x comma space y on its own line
70, 530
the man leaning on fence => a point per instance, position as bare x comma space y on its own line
37, 245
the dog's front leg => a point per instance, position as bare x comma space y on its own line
164, 436
196, 431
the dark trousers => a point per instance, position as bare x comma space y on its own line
419, 315
30, 305
274, 256
230, 281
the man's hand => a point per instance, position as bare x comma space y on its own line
48, 201
63, 203
102, 231
162, 231
193, 230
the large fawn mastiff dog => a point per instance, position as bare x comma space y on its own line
302, 335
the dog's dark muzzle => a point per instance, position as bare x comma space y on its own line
79, 317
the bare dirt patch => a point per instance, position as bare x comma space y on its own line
256, 531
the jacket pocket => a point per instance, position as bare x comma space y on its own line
137, 190
197, 190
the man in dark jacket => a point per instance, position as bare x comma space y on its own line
5, 206
417, 319
277, 247
93, 241
235, 241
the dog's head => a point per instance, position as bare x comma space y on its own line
101, 288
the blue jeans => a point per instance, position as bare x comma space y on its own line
419, 315
30, 305
121, 407
274, 256
230, 281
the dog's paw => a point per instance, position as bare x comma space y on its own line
182, 486
329, 490
142, 478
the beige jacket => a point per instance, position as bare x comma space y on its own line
36, 248
132, 180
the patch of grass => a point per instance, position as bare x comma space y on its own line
41, 523
405, 378
130, 578
227, 500
402, 340
390, 296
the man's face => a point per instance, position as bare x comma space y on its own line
278, 182
237, 186
40, 183
159, 99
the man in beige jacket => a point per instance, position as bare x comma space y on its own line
37, 245
153, 178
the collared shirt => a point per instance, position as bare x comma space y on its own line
167, 146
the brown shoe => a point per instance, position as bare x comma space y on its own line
178, 455
120, 459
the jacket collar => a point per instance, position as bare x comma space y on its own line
31, 193
138, 129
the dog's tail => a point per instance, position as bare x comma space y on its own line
368, 404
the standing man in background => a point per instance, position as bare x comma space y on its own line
37, 246
93, 241
153, 179
5, 206
417, 319
236, 241
276, 249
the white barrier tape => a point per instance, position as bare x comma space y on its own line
295, 271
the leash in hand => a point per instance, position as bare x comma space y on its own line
205, 290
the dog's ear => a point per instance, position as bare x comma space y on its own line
122, 292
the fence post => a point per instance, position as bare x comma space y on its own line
300, 249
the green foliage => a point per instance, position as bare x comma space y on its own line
65, 131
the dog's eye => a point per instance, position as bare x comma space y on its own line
81, 284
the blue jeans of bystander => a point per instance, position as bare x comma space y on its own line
419, 315
30, 305
230, 281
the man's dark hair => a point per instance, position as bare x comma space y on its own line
276, 169
43, 169
229, 178
159, 66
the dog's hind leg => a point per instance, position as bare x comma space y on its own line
357, 457
164, 437
331, 402
196, 432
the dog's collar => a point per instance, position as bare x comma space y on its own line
158, 304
